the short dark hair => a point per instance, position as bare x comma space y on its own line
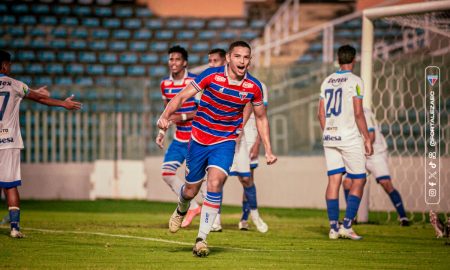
179, 49
239, 43
219, 51
5, 56
346, 54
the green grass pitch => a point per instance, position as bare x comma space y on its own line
110, 234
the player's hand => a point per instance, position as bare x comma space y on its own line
163, 123
71, 104
160, 139
254, 151
368, 147
43, 91
271, 158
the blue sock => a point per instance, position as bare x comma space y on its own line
245, 210
14, 217
398, 203
352, 210
346, 192
333, 213
250, 193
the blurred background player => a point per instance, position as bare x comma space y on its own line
226, 91
439, 227
377, 164
176, 153
341, 117
11, 94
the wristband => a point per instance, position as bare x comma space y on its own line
162, 132
183, 117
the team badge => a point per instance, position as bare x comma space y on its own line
243, 95
221, 89
432, 79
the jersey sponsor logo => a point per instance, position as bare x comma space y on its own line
247, 85
332, 138
243, 95
338, 81
4, 131
167, 83
7, 140
332, 128
219, 78
3, 84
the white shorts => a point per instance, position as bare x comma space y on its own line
10, 168
346, 159
378, 166
241, 161
251, 133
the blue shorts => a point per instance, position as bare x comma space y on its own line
174, 157
200, 157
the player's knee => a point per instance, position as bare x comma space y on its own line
246, 181
347, 183
387, 185
189, 192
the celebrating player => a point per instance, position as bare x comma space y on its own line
342, 121
378, 166
11, 94
226, 91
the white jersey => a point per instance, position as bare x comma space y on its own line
337, 91
250, 127
379, 145
11, 94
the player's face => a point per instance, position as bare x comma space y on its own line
176, 63
239, 60
214, 60
6, 68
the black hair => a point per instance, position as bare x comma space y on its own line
5, 56
179, 49
239, 43
346, 54
219, 51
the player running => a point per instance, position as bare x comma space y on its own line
342, 121
226, 91
11, 94
176, 153
377, 165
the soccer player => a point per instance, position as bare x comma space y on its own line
11, 94
176, 153
342, 121
217, 124
378, 166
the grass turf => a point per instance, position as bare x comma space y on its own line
297, 239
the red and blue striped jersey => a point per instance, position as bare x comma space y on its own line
171, 87
219, 114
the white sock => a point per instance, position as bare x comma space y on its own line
206, 221
174, 183
254, 213
217, 220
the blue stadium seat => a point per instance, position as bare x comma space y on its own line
221, 45
249, 35
143, 34
16, 31
19, 8
257, 23
80, 33
118, 46
138, 46
26, 79
123, 11
92, 95
97, 45
78, 44
39, 43
164, 34
200, 46
159, 46
67, 56
87, 57
82, 10
61, 10
17, 68
4, 43
35, 68
95, 70
143, 12
185, 35
70, 21
54, 68
164, 58
84, 81
28, 19
43, 80
157, 71
111, 23
316, 47
128, 58
238, 23
40, 9
216, 24
66, 81
37, 31
104, 81
356, 23
103, 11
91, 22
306, 58
19, 43
154, 23
344, 34
206, 35
175, 24
8, 19
136, 71
75, 69
121, 34
132, 23
3, 8
58, 44
228, 35
194, 59
108, 58
48, 20
183, 44
115, 70
196, 24
149, 58
100, 34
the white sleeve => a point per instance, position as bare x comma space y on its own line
265, 94
21, 88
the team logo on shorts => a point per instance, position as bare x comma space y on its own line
247, 85
243, 95
219, 78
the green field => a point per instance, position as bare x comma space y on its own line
134, 235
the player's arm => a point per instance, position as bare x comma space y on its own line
262, 124
68, 103
361, 124
42, 90
321, 113
372, 136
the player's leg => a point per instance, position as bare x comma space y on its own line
346, 185
5, 218
335, 169
250, 194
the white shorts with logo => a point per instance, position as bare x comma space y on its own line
346, 159
377, 165
241, 161
10, 168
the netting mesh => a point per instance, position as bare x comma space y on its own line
404, 47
